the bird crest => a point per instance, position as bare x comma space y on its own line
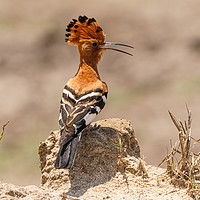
84, 29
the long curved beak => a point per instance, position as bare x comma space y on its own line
118, 44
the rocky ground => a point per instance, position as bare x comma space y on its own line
107, 166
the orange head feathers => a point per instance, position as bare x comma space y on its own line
84, 29
90, 39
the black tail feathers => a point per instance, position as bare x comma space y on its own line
67, 153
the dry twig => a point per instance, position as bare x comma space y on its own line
3, 128
185, 171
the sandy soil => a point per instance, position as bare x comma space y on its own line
99, 172
35, 63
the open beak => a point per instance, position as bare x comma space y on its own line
104, 46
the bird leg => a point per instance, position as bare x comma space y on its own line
94, 127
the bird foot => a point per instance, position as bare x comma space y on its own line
94, 127
91, 128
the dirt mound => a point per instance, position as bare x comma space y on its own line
97, 159
107, 166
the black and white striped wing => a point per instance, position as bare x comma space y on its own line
77, 112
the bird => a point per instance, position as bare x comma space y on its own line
84, 95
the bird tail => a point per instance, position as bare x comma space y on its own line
67, 152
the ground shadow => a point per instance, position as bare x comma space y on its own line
96, 160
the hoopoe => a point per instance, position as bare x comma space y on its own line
84, 95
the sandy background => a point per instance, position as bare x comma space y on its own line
35, 63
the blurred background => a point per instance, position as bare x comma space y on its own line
35, 64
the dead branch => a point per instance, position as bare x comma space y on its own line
183, 166
3, 128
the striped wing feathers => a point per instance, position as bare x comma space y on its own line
78, 111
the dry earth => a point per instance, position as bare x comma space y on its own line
100, 171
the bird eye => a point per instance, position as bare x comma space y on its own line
94, 44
